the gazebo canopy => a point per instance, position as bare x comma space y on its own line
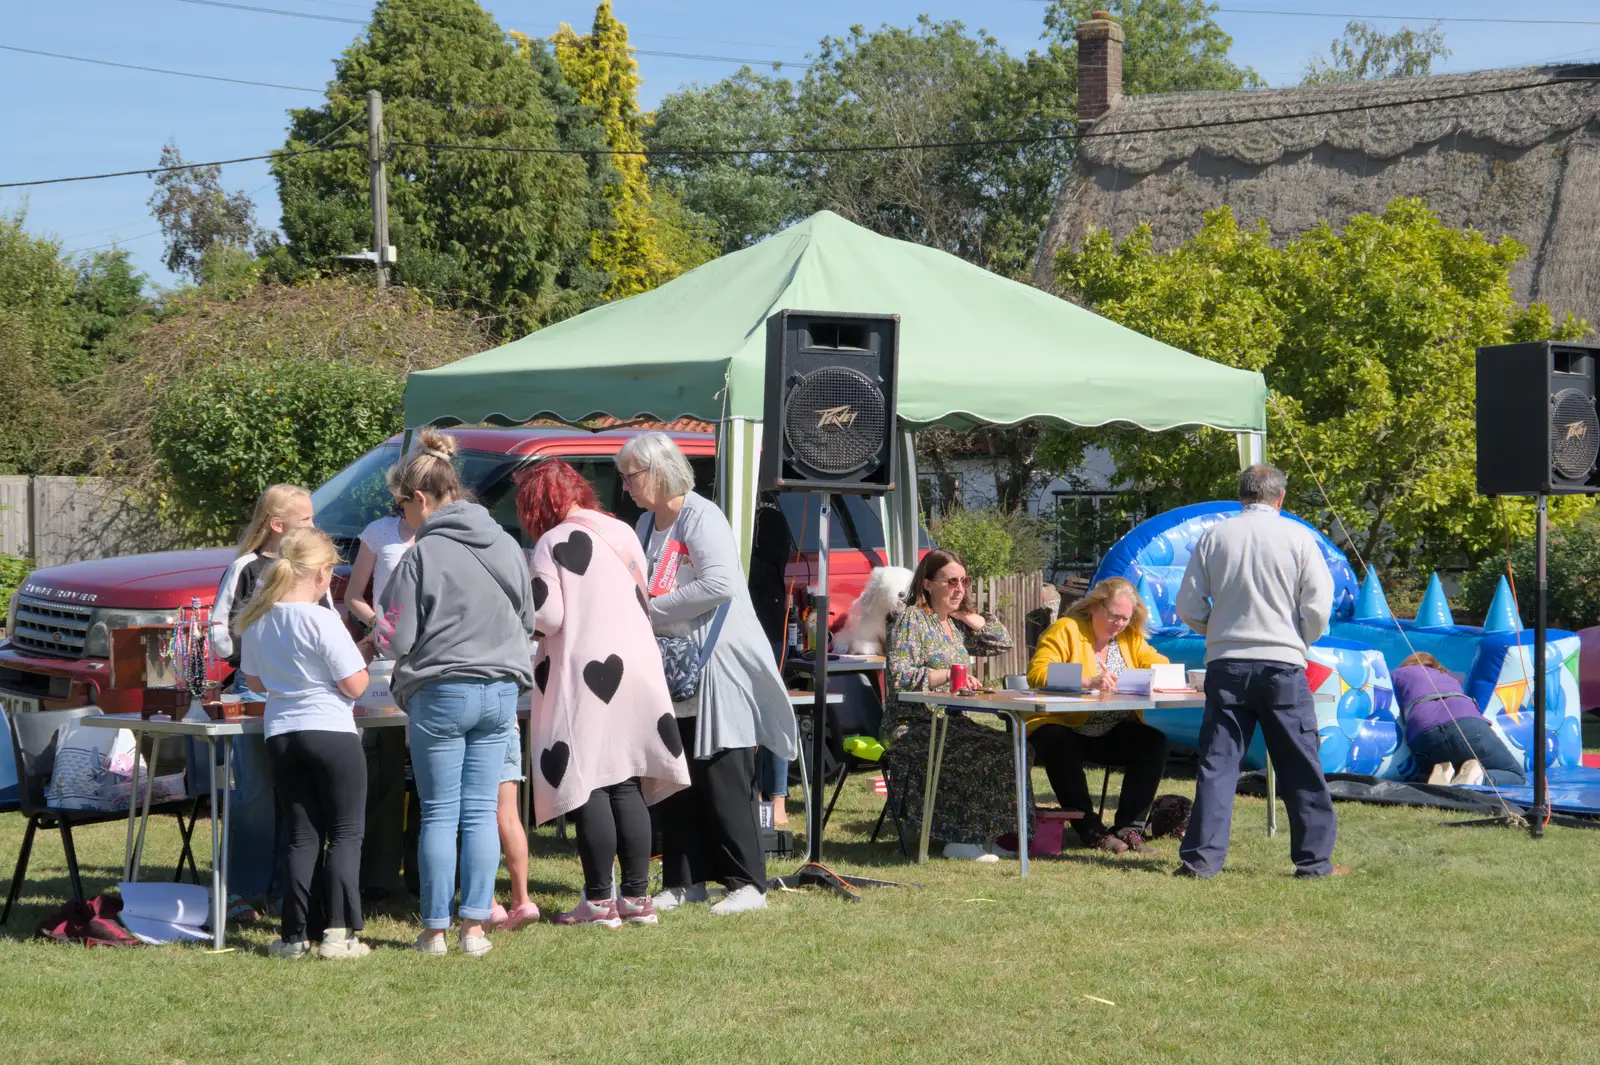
975, 348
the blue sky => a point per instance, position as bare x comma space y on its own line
62, 118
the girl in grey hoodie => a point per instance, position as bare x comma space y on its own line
456, 618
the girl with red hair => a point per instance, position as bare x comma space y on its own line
606, 745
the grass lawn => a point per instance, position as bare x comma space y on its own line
1445, 944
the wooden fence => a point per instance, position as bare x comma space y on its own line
55, 520
1012, 599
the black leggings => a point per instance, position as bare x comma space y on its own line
321, 780
1139, 750
614, 824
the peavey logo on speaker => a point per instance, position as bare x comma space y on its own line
838, 418
1577, 430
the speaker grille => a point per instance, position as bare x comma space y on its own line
1574, 434
835, 420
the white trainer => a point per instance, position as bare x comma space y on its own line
969, 852
342, 943
1471, 772
743, 900
1442, 773
673, 897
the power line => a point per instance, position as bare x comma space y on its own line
280, 154
157, 70
1412, 18
364, 22
1075, 135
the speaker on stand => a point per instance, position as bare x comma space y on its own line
829, 428
1538, 435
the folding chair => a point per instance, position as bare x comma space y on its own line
1019, 682
33, 746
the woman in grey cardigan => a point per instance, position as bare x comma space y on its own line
710, 830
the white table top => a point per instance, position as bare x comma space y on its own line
1045, 703
239, 726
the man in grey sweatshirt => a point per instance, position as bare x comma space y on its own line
1259, 590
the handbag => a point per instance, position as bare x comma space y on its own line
683, 658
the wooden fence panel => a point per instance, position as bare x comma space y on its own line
78, 518
15, 535
1011, 599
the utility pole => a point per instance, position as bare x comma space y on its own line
381, 255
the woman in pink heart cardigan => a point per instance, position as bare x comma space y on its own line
606, 745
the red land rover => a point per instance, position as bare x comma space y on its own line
58, 629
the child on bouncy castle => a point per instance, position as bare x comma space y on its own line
1450, 741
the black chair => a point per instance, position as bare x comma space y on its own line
861, 714
33, 746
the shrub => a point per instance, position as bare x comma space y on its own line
227, 432
993, 543
1572, 568
13, 571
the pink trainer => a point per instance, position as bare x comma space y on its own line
527, 913
587, 912
641, 910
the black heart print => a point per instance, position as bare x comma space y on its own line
541, 673
553, 762
604, 678
541, 592
575, 553
667, 729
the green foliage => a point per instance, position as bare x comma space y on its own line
109, 305
196, 214
993, 542
633, 247
13, 571
1366, 338
1572, 570
231, 430
1365, 53
1170, 45
215, 362
505, 231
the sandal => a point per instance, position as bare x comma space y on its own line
242, 912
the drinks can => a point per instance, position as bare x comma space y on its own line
958, 677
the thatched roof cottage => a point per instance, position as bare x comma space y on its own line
1509, 152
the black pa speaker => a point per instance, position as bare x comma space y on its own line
830, 411
1538, 428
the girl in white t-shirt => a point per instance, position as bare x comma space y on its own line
383, 543
303, 658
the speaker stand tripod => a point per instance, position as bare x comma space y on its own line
813, 874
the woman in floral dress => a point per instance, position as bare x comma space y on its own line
976, 798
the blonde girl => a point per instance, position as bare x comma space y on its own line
300, 656
255, 840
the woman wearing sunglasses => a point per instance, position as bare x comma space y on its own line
1104, 633
977, 799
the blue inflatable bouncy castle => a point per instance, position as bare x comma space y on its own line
1357, 720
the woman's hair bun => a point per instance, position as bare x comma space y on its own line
441, 443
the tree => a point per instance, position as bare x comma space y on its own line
40, 347
504, 231
195, 212
109, 309
1366, 338
743, 197
1365, 53
283, 383
1170, 46
631, 248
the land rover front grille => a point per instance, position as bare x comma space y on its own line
51, 628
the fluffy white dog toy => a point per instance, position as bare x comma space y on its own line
866, 627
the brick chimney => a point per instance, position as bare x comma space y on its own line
1099, 65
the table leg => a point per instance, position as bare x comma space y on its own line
525, 788
1019, 749
227, 821
133, 807
149, 790
936, 734
1272, 799
219, 903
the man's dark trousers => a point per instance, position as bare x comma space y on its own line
1241, 692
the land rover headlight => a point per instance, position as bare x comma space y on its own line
101, 622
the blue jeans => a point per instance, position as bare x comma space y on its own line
459, 730
1468, 737
772, 774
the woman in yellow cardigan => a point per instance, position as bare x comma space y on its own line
1103, 632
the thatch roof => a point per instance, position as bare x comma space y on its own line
1512, 108
1510, 153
